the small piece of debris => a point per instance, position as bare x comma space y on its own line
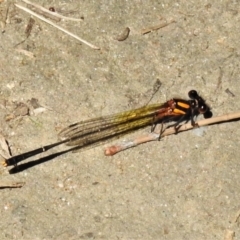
21, 110
124, 35
4, 150
34, 103
156, 27
230, 93
37, 108
36, 111
29, 27
229, 234
26, 53
13, 185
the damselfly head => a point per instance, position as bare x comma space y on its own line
200, 104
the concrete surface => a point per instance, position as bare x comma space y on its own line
184, 187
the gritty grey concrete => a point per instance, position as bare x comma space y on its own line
184, 187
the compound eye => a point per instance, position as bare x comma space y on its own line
193, 94
202, 108
208, 114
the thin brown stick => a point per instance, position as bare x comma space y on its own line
156, 27
4, 21
56, 26
53, 15
12, 185
154, 136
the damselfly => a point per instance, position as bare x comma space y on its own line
101, 129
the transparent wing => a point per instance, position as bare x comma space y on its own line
104, 128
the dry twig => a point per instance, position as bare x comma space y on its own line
12, 185
4, 150
53, 15
56, 26
154, 136
156, 27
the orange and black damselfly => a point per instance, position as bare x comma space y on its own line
98, 130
